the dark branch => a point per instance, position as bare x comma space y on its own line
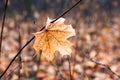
11, 73
16, 56
67, 11
20, 58
19, 52
68, 59
98, 63
3, 22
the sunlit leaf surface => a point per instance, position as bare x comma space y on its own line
54, 38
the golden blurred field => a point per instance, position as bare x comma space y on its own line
97, 26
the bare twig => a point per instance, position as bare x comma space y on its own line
19, 52
101, 64
68, 59
76, 47
67, 11
38, 61
20, 59
10, 74
2, 28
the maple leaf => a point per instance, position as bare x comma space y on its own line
54, 38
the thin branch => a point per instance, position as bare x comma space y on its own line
2, 28
38, 62
101, 64
67, 11
19, 52
11, 73
68, 59
20, 59
76, 47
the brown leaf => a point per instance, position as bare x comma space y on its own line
54, 37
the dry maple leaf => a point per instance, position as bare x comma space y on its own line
54, 38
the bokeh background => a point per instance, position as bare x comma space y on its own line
97, 25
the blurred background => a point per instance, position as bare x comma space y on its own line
97, 25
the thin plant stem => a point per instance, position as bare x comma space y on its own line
101, 64
20, 59
11, 73
19, 52
66, 11
57, 71
76, 48
70, 75
3, 22
38, 62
